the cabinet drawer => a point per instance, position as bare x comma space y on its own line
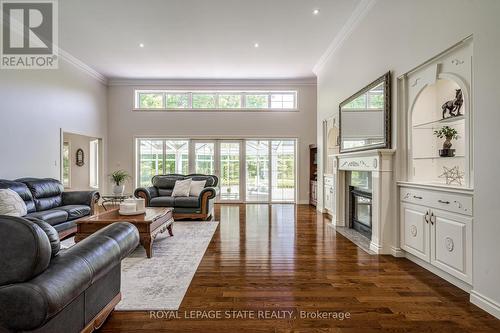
452, 202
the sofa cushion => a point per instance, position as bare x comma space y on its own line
52, 216
164, 192
64, 226
46, 192
187, 202
75, 211
212, 181
196, 187
22, 190
166, 181
162, 202
11, 203
52, 235
181, 188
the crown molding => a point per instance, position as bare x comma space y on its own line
310, 81
356, 17
81, 66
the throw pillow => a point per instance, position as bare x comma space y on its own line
196, 187
181, 188
11, 203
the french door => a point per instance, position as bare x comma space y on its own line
249, 170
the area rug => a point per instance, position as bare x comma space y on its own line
161, 282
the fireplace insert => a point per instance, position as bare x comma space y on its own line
360, 211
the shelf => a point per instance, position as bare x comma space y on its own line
437, 157
440, 121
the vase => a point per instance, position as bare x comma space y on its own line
118, 189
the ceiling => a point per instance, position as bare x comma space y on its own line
201, 38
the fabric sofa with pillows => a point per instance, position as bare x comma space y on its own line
191, 196
45, 289
45, 199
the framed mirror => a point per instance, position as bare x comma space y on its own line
365, 117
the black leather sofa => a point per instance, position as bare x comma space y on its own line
46, 200
44, 290
160, 195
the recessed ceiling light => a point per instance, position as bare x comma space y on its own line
256, 45
141, 45
316, 11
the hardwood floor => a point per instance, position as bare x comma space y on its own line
286, 257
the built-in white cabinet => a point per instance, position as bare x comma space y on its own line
440, 237
329, 194
436, 185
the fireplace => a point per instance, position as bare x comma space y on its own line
360, 210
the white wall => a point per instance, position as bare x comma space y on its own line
398, 35
125, 124
34, 106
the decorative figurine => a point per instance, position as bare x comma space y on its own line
453, 107
449, 134
453, 175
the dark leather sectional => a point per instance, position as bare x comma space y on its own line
44, 290
46, 200
193, 207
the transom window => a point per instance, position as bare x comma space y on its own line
215, 100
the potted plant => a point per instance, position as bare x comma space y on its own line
119, 177
449, 134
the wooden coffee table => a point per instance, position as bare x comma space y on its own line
150, 224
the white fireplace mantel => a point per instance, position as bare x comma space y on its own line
380, 163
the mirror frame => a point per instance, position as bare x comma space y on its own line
386, 79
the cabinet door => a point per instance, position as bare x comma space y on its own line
451, 238
415, 231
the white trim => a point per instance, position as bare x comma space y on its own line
485, 303
356, 17
440, 273
81, 66
307, 81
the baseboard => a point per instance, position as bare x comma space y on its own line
436, 271
375, 248
397, 252
485, 303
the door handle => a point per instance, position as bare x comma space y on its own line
426, 217
433, 218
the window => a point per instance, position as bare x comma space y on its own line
251, 170
218, 100
229, 101
158, 156
66, 165
203, 101
94, 163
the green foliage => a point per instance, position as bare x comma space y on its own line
119, 177
256, 101
177, 101
446, 132
229, 101
203, 101
150, 101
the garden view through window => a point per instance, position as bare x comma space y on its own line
215, 100
249, 170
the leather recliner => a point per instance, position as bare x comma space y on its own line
43, 289
193, 207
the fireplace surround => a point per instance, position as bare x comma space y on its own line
379, 163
